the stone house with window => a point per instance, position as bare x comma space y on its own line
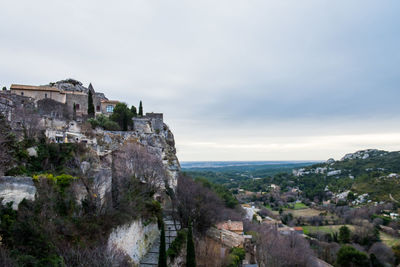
107, 106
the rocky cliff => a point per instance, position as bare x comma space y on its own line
109, 155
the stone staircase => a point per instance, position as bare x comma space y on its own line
171, 229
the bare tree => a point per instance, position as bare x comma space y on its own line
6, 140
274, 249
5, 258
97, 256
195, 202
27, 121
5, 157
137, 175
383, 253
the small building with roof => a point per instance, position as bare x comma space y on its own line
233, 226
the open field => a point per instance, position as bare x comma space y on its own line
389, 240
297, 206
300, 206
304, 212
325, 228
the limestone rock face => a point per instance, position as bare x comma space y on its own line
160, 143
364, 154
32, 151
15, 189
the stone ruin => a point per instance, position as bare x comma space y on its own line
150, 123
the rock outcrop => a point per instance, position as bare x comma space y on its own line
15, 189
364, 154
161, 144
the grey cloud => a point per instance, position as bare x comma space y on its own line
213, 65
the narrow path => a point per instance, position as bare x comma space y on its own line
392, 198
151, 258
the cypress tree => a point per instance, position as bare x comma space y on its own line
162, 257
190, 253
90, 105
74, 112
344, 234
134, 111
140, 109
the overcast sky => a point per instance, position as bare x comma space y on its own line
236, 80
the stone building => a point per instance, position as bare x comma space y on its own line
69, 92
107, 106
39, 92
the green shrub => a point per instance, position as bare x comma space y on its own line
105, 123
349, 256
344, 234
176, 245
236, 256
62, 181
111, 126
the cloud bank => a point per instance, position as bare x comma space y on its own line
237, 80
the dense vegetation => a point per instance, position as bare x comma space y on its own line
54, 229
234, 176
368, 175
348, 229
120, 119
59, 228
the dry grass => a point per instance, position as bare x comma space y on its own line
210, 253
304, 212
389, 240
325, 228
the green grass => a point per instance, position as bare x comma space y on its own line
268, 206
300, 206
389, 240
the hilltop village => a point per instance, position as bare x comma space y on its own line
65, 143
61, 106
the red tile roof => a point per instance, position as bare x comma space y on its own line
34, 88
234, 226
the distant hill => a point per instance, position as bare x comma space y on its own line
231, 173
371, 171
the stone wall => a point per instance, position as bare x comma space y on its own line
134, 239
9, 102
157, 121
51, 108
80, 99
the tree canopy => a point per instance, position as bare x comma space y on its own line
123, 116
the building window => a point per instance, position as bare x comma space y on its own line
22, 93
98, 108
110, 108
77, 106
45, 95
